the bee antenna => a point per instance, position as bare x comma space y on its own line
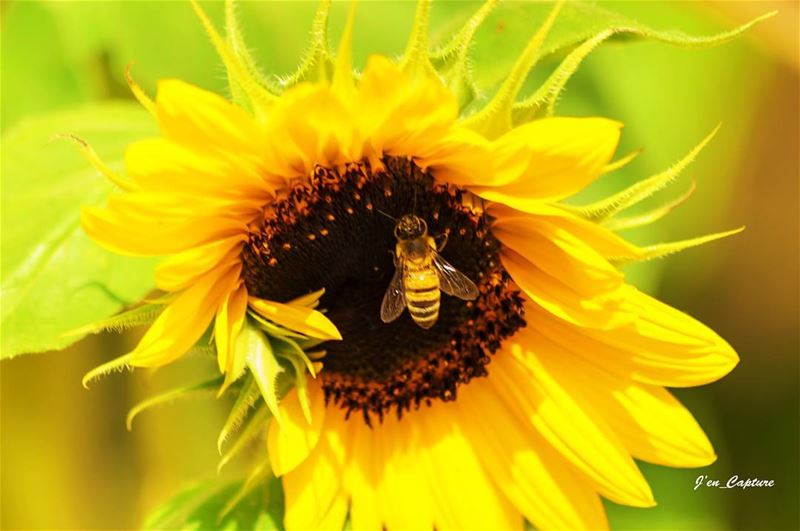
385, 214
414, 207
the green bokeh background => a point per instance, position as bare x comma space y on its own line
66, 460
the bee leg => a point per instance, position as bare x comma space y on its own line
441, 241
394, 258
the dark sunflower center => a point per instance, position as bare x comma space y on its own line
336, 232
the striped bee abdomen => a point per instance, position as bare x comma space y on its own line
421, 285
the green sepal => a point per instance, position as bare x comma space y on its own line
260, 96
317, 64
661, 250
289, 351
542, 102
186, 391
202, 350
309, 343
238, 47
451, 60
495, 118
618, 223
605, 209
139, 316
416, 55
263, 365
247, 397
255, 426
120, 364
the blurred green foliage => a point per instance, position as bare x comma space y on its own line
54, 278
199, 508
63, 54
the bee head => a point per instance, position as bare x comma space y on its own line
410, 227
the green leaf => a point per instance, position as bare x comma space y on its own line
259, 472
54, 279
201, 507
45, 82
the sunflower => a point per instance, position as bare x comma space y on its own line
529, 402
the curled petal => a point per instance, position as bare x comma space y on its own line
298, 318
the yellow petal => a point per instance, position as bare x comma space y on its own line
311, 300
459, 157
162, 165
228, 323
180, 270
297, 318
528, 388
125, 229
649, 421
362, 477
607, 243
313, 490
335, 518
291, 442
660, 325
184, 320
204, 120
550, 159
465, 496
402, 478
539, 482
400, 112
558, 253
634, 354
561, 299
311, 126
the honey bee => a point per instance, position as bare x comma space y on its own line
420, 274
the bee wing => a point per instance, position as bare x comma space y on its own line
452, 281
394, 300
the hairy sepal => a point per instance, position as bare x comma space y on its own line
262, 363
451, 60
543, 101
605, 209
255, 427
237, 45
183, 392
317, 64
246, 399
141, 315
661, 250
